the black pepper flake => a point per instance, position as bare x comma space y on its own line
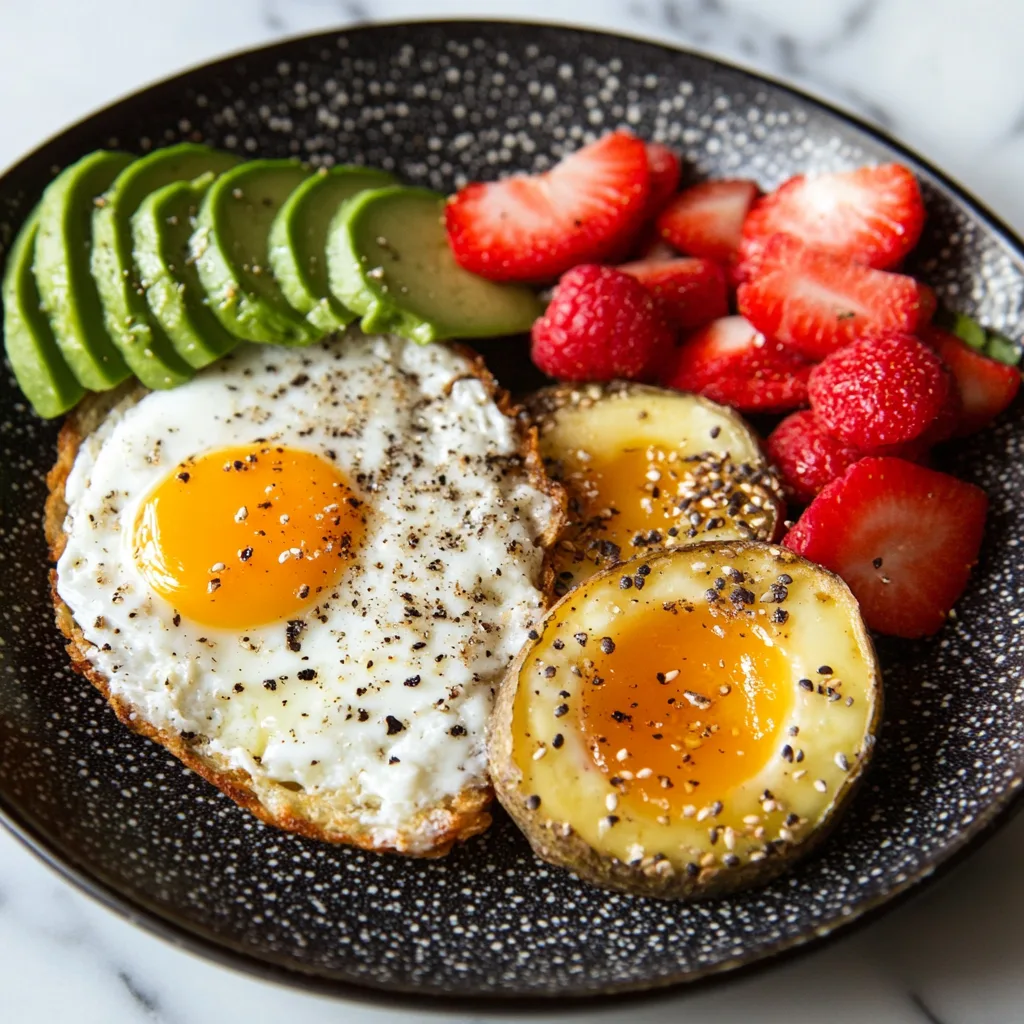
412, 681
533, 634
532, 802
557, 740
562, 709
711, 596
270, 684
558, 644
715, 431
177, 619
785, 579
693, 870
564, 693
638, 581
363, 715
730, 860
394, 725
644, 570
550, 671
580, 638
612, 819
306, 674
877, 563
607, 645
719, 583
621, 716
393, 760
238, 687
791, 820
625, 582
292, 633
780, 615
779, 592
740, 595
457, 730
183, 477
419, 645
806, 684
735, 575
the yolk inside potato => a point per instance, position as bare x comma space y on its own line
689, 703
243, 536
629, 498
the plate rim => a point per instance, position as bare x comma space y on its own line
176, 932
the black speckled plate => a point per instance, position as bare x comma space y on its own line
490, 925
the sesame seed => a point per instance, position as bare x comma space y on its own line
820, 785
241, 515
825, 670
768, 806
842, 762
787, 753
785, 835
751, 819
806, 684
698, 700
562, 709
671, 675
607, 645
797, 776
622, 754
644, 773
611, 801
539, 752
689, 811
580, 638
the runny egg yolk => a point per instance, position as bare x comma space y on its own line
239, 537
685, 705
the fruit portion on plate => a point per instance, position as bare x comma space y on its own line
339, 542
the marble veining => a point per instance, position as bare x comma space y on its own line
947, 87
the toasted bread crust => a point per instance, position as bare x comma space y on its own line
325, 817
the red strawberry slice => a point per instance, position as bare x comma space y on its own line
692, 292
903, 537
985, 387
536, 227
881, 390
665, 170
707, 219
808, 458
872, 215
817, 303
730, 362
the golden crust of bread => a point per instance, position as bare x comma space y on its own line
324, 816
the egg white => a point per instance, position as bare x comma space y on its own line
399, 419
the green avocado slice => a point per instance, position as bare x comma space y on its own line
298, 240
148, 350
161, 228
230, 249
61, 268
41, 371
388, 259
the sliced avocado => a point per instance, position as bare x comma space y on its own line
61, 268
298, 241
161, 228
42, 373
146, 347
230, 246
388, 259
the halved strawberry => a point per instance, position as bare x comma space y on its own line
817, 303
903, 537
872, 215
986, 387
665, 169
692, 292
730, 362
707, 219
536, 227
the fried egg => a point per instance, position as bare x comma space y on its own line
306, 571
695, 735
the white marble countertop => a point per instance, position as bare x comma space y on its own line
942, 75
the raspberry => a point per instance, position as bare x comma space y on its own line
881, 390
600, 324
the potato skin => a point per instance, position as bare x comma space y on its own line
557, 843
